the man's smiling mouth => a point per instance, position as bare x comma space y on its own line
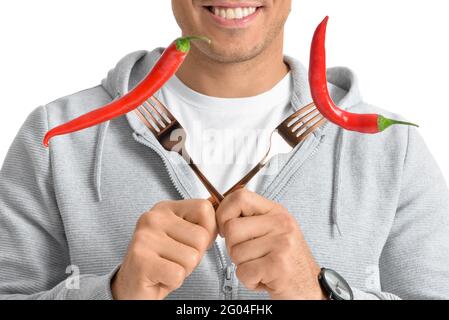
232, 13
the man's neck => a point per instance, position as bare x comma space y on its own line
233, 80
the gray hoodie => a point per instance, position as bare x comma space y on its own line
373, 207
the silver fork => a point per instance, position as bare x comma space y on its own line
293, 130
165, 128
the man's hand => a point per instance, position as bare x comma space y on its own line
268, 247
168, 244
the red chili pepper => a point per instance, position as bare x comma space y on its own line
365, 123
167, 65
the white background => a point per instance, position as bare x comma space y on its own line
399, 50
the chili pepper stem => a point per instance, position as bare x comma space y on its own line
202, 38
183, 44
383, 123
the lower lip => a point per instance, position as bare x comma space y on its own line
234, 23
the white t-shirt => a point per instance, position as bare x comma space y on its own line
227, 137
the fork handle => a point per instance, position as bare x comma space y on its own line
216, 197
239, 185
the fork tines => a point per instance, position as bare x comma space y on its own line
155, 115
305, 121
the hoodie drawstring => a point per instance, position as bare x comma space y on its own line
101, 137
335, 208
98, 158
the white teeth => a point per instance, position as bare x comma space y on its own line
230, 13
238, 13
233, 13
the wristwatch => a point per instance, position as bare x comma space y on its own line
334, 285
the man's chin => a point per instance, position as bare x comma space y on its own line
232, 58
234, 55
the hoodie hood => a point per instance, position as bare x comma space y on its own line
133, 68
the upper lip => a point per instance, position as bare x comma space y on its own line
227, 4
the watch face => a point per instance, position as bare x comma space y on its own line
339, 287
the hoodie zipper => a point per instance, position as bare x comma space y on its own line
228, 282
179, 188
228, 273
227, 269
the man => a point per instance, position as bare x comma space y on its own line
128, 220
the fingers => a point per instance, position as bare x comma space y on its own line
165, 272
168, 244
242, 203
254, 272
185, 232
196, 211
153, 249
251, 249
263, 273
180, 231
243, 229
174, 251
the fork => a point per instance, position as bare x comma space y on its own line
163, 124
293, 130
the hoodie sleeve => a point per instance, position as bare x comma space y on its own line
414, 263
34, 256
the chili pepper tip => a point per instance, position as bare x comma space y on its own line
45, 142
384, 123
